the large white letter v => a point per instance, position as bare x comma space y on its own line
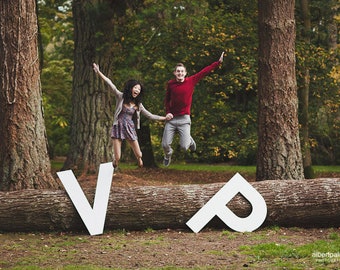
93, 219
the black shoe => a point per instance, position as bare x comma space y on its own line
167, 161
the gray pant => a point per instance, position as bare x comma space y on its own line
180, 124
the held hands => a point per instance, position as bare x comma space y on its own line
221, 58
169, 116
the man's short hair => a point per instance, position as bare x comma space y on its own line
180, 65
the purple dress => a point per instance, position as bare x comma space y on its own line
125, 129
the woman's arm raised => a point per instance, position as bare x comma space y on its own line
101, 75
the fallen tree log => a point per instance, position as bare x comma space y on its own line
308, 203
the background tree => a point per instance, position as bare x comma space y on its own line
322, 58
279, 152
91, 100
304, 92
24, 162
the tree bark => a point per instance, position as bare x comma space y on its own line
93, 102
92, 110
24, 161
304, 94
144, 139
279, 151
308, 203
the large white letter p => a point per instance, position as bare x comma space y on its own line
217, 206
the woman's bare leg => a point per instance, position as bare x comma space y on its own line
117, 151
136, 150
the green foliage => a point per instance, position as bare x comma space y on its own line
323, 64
55, 22
145, 39
196, 34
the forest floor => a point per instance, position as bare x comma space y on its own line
167, 176
266, 248
160, 177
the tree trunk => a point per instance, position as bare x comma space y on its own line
279, 150
333, 28
144, 139
310, 203
304, 95
93, 102
24, 161
92, 110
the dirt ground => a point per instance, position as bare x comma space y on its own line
167, 176
165, 249
160, 177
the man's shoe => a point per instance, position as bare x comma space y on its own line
192, 146
167, 161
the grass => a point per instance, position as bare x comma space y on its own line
200, 167
329, 169
318, 169
73, 251
320, 254
219, 167
213, 167
57, 164
240, 168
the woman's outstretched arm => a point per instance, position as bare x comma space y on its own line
101, 75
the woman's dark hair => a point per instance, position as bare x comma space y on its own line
127, 94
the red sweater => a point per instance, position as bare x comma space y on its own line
178, 97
